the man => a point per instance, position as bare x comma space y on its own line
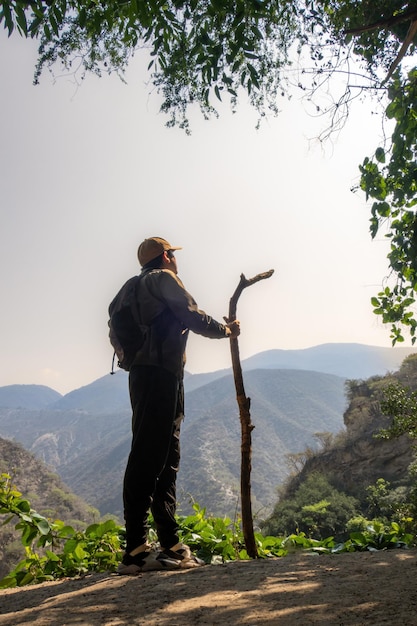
168, 311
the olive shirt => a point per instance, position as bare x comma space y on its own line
169, 312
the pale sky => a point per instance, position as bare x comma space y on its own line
87, 173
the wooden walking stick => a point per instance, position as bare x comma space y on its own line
245, 421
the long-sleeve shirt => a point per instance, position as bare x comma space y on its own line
170, 312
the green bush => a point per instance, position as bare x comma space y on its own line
316, 509
55, 549
378, 537
358, 524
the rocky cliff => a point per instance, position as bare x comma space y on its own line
355, 458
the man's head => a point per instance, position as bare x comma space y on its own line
157, 252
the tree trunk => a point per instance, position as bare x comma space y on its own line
245, 421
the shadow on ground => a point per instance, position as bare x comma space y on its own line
347, 589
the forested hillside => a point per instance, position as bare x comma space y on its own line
356, 459
47, 493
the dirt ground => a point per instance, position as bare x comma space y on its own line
333, 590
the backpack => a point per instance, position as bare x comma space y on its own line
126, 333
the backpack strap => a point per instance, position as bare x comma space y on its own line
112, 363
135, 307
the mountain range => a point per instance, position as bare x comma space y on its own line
348, 360
85, 435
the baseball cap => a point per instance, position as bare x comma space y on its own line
150, 248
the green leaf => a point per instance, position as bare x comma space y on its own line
34, 26
383, 208
26, 579
7, 16
58, 14
21, 19
43, 526
66, 531
8, 581
53, 23
79, 552
23, 506
257, 32
82, 17
70, 546
93, 529
380, 155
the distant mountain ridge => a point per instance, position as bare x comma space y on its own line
85, 435
27, 396
348, 360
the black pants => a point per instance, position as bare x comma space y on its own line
157, 400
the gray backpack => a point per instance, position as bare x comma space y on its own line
126, 333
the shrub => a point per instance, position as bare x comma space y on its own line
316, 509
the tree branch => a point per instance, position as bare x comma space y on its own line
385, 22
245, 420
412, 31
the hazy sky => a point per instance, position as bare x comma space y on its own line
88, 172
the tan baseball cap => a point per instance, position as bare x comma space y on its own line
150, 248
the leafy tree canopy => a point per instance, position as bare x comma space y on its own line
390, 179
202, 51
